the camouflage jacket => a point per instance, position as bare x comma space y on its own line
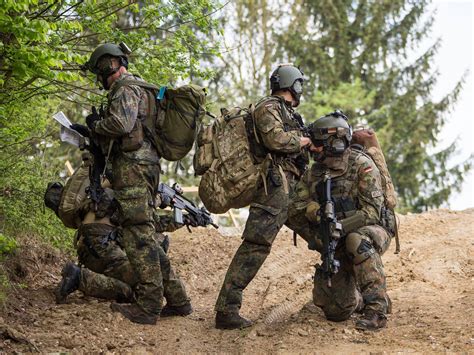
279, 133
125, 107
355, 187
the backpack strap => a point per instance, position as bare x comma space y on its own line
135, 82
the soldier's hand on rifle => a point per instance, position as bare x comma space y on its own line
304, 141
92, 118
190, 220
106, 206
81, 129
312, 212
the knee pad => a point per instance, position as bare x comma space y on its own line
359, 247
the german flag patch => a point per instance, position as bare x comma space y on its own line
367, 170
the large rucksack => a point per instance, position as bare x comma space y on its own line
174, 116
225, 161
74, 196
368, 139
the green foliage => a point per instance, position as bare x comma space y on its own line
354, 48
7, 245
42, 45
352, 98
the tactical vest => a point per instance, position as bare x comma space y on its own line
344, 188
344, 191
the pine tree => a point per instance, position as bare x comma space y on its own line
368, 45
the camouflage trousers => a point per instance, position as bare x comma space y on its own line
360, 283
267, 214
135, 186
107, 273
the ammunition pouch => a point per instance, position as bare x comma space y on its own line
344, 207
352, 223
133, 140
274, 176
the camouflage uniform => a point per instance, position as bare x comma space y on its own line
135, 178
107, 272
367, 230
279, 134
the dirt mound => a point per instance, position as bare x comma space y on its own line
430, 283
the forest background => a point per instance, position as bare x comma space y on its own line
375, 60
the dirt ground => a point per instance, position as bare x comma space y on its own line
430, 283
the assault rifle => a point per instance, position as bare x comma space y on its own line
96, 170
330, 230
173, 197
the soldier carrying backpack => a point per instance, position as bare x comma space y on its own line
277, 146
130, 132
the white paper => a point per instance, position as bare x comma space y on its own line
62, 119
71, 136
67, 134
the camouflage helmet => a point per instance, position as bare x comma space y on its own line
108, 49
332, 132
288, 77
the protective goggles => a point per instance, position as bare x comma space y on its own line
298, 87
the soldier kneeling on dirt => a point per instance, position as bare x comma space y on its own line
367, 226
107, 272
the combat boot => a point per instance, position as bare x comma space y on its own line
231, 321
371, 320
171, 311
71, 274
134, 313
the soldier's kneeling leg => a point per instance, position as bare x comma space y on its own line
339, 301
368, 269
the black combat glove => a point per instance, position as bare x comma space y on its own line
301, 162
81, 129
190, 220
92, 118
106, 206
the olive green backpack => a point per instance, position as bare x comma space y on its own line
174, 118
74, 196
225, 161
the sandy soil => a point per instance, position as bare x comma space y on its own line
430, 283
